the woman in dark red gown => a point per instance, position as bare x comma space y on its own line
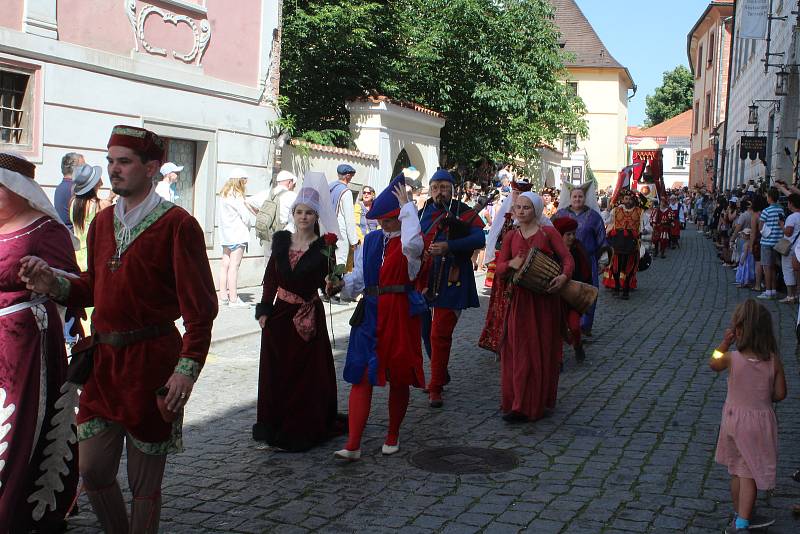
38, 452
531, 350
297, 407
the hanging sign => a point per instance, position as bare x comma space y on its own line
752, 19
753, 147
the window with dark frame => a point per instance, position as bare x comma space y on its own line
16, 95
699, 60
711, 43
696, 115
680, 158
707, 111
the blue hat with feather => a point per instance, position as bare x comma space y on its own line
386, 205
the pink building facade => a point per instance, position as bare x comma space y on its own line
202, 73
708, 48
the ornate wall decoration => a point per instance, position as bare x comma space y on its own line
200, 31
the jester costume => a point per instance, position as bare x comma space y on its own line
624, 239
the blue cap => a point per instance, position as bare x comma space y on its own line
443, 176
344, 168
386, 204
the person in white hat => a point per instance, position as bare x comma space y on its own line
283, 193
87, 181
236, 217
169, 175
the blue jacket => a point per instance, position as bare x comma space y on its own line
463, 294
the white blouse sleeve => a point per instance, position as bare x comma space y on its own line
411, 239
354, 280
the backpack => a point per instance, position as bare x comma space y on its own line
268, 219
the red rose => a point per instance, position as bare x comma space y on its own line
330, 239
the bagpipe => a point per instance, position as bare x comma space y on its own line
454, 226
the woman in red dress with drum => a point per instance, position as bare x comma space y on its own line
531, 350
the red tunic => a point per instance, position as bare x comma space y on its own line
399, 349
531, 350
163, 275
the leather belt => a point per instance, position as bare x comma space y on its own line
123, 339
376, 291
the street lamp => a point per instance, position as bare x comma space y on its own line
782, 83
752, 116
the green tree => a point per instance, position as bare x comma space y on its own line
493, 67
332, 51
672, 98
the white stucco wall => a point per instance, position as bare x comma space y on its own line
749, 82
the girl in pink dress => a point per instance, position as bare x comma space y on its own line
748, 434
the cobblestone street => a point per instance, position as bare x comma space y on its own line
630, 447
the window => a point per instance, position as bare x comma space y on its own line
183, 153
680, 158
569, 145
572, 88
699, 60
711, 41
16, 106
707, 111
696, 115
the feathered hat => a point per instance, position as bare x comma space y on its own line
386, 205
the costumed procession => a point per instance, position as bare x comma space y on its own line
411, 271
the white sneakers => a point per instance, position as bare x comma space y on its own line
238, 303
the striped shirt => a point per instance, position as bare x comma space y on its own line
771, 232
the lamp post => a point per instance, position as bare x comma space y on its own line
715, 176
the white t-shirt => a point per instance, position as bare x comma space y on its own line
235, 221
165, 191
793, 220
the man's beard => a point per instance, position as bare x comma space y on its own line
441, 201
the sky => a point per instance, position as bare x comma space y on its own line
647, 36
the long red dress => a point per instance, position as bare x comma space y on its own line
296, 379
531, 349
38, 455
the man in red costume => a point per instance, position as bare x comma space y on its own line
147, 242
385, 342
663, 220
626, 222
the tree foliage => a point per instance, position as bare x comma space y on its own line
672, 98
493, 68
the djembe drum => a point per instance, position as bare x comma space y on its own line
538, 272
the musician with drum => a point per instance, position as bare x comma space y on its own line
452, 232
531, 350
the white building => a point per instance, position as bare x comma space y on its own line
750, 85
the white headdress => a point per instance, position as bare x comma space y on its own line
538, 207
17, 175
316, 195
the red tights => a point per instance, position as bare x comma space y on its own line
359, 405
442, 326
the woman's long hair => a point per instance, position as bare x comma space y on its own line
752, 323
81, 206
233, 187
